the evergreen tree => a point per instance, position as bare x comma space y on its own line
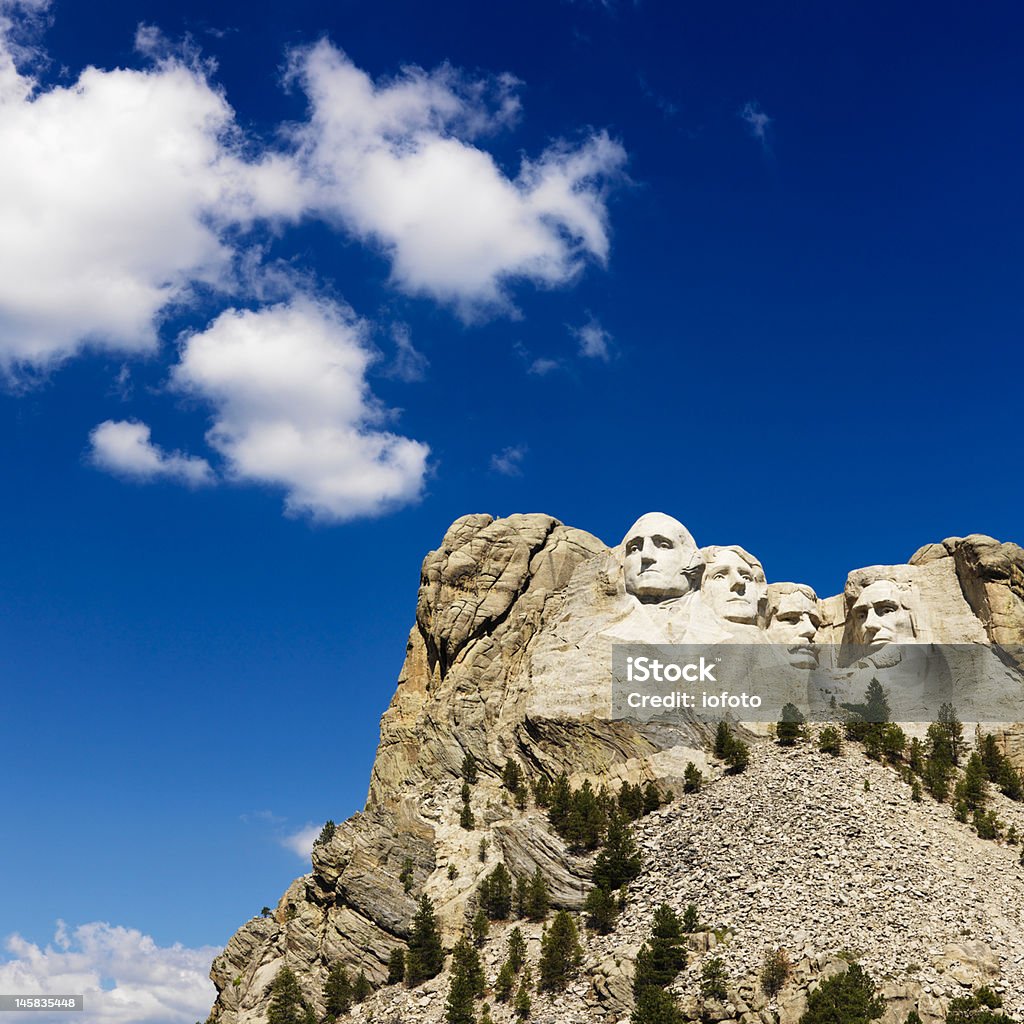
774, 972
405, 875
954, 730
362, 989
396, 966
466, 793
287, 1003
326, 833
991, 756
522, 892
537, 899
585, 822
970, 790
338, 991
737, 757
541, 791
485, 1014
560, 803
1010, 781
560, 953
691, 922
496, 893
481, 926
662, 956
693, 778
656, 1006
915, 791
652, 798
982, 1006
466, 819
790, 728
631, 801
601, 911
459, 1008
505, 983
847, 998
915, 756
425, 957
713, 979
723, 740
829, 741
516, 950
619, 862
876, 704
523, 1004
512, 776
466, 961
469, 769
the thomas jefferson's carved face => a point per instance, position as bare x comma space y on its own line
657, 551
881, 616
731, 587
794, 624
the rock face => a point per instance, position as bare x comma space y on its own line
510, 656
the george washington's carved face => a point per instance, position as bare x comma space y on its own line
658, 552
732, 586
881, 615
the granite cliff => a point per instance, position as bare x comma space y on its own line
510, 657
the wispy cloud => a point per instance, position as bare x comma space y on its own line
663, 103
301, 841
542, 366
123, 975
509, 461
409, 364
757, 121
594, 341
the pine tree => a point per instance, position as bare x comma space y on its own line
954, 730
652, 798
516, 950
585, 822
541, 791
619, 862
723, 739
847, 998
396, 966
790, 728
459, 1009
537, 899
326, 833
560, 954
601, 910
466, 819
466, 961
496, 893
523, 1003
481, 926
829, 741
485, 1014
287, 1003
982, 1006
505, 983
970, 790
774, 972
662, 956
338, 991
713, 979
656, 1006
512, 776
560, 803
693, 778
1010, 781
405, 875
425, 957
631, 801
362, 989
737, 757
690, 920
469, 768
522, 893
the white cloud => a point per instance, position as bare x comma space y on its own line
394, 165
594, 340
151, 984
123, 447
292, 409
409, 365
115, 194
301, 842
757, 121
542, 366
509, 462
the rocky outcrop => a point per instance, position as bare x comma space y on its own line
510, 656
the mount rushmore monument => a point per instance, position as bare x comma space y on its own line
510, 656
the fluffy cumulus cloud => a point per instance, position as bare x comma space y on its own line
124, 447
124, 976
301, 841
292, 408
115, 193
396, 164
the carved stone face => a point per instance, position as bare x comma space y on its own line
657, 552
881, 616
731, 587
794, 623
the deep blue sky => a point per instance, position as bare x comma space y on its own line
816, 354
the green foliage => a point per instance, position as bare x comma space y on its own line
631, 801
913, 1018
585, 824
601, 910
338, 991
459, 1008
287, 1003
361, 989
953, 729
775, 971
481, 926
829, 741
522, 893
867, 785
466, 793
485, 1014
496, 893
662, 956
541, 791
466, 819
656, 1006
326, 833
847, 998
405, 875
505, 983
723, 737
266, 912
481, 851
652, 798
713, 979
790, 728
537, 898
737, 757
560, 953
987, 825
523, 1004
516, 950
1012, 839
512, 776
466, 961
1010, 781
453, 872
619, 862
469, 768
691, 922
971, 789
915, 791
693, 778
983, 1006
396, 966
915, 756
425, 957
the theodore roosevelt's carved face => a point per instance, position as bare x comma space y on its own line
732, 586
794, 621
881, 615
658, 552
